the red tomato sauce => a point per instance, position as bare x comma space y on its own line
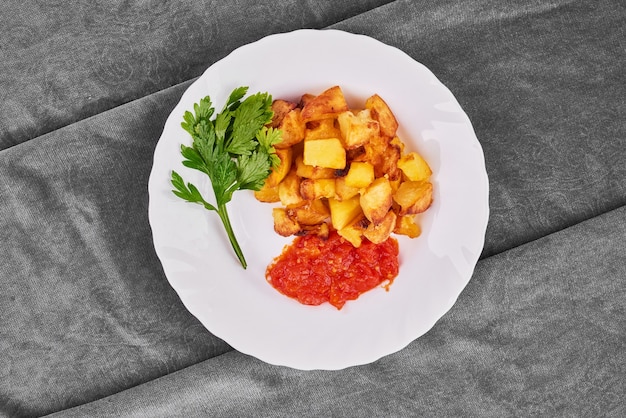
313, 270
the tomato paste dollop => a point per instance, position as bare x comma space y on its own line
314, 270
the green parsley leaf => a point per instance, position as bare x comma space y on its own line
235, 149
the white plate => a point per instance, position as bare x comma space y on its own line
238, 305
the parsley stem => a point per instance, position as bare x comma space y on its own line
223, 213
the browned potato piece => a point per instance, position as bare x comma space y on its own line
342, 191
375, 153
344, 169
360, 174
292, 128
313, 213
414, 197
321, 129
383, 114
311, 171
414, 167
379, 232
283, 224
311, 189
353, 233
328, 104
306, 98
405, 225
280, 109
376, 200
267, 194
279, 173
389, 164
321, 230
328, 153
289, 190
357, 130
342, 212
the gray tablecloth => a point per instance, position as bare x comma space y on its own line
89, 325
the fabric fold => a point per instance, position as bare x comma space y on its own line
540, 330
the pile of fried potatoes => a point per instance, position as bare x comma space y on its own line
344, 169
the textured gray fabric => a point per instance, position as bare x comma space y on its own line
537, 332
89, 324
62, 62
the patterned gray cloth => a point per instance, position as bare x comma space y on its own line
89, 325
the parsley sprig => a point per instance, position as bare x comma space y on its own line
235, 149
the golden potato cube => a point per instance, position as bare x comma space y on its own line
306, 98
413, 197
360, 174
389, 165
311, 171
357, 130
279, 173
321, 230
313, 213
326, 105
280, 108
376, 200
342, 212
321, 129
343, 191
381, 112
267, 194
405, 225
353, 232
379, 232
414, 167
328, 153
283, 224
289, 190
292, 128
311, 189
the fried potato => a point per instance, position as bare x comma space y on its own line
328, 104
380, 231
357, 130
305, 98
311, 171
278, 174
280, 109
405, 225
381, 112
414, 167
293, 128
267, 194
342, 212
313, 213
311, 189
353, 233
414, 197
283, 224
328, 153
321, 129
343, 191
289, 190
345, 169
376, 153
360, 174
376, 200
